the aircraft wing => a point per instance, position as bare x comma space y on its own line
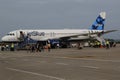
69, 36
59, 37
76, 35
108, 31
87, 34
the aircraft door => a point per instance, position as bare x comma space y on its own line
17, 34
20, 35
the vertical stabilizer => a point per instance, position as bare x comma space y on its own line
99, 22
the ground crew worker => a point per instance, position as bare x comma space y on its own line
91, 44
95, 44
12, 47
98, 44
107, 44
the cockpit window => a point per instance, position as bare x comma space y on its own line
11, 34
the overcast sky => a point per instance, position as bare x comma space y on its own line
58, 14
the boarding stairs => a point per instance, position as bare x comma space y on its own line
101, 39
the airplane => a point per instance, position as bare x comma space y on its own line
94, 32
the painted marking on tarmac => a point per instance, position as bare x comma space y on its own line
90, 59
33, 73
102, 60
83, 59
93, 67
62, 63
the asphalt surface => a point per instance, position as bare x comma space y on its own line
61, 64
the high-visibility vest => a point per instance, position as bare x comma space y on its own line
12, 45
107, 42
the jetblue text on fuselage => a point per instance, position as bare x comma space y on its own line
36, 33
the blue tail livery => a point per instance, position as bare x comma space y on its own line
99, 22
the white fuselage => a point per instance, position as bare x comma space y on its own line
42, 35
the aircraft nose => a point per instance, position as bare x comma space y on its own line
4, 38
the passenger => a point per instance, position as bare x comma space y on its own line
49, 46
33, 48
28, 48
2, 48
42, 47
94, 44
103, 44
80, 46
37, 47
58, 45
7, 47
114, 44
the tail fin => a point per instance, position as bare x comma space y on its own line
99, 23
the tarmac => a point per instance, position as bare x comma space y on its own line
61, 64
